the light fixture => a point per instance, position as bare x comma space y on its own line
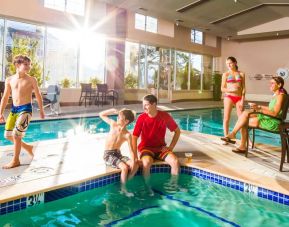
143, 9
178, 21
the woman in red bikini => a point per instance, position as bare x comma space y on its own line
233, 87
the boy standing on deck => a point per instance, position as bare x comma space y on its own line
20, 86
117, 135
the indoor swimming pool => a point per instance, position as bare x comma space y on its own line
165, 201
207, 121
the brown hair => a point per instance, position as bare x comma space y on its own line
151, 99
19, 59
128, 114
280, 81
234, 60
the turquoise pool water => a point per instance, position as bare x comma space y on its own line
205, 121
188, 202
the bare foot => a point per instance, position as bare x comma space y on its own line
11, 164
231, 136
29, 149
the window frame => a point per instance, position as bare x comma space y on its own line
194, 36
145, 26
65, 8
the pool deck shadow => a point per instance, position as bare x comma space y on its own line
63, 162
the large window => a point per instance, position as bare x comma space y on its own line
146, 23
1, 48
131, 65
28, 39
61, 66
142, 66
165, 68
152, 67
182, 70
208, 71
70, 6
195, 71
58, 56
92, 59
196, 36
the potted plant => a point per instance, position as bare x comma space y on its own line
217, 80
65, 83
94, 81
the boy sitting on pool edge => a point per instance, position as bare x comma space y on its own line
118, 134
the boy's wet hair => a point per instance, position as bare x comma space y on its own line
19, 59
128, 114
151, 99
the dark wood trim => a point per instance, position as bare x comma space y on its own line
247, 10
190, 6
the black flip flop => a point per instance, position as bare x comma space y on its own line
228, 140
239, 151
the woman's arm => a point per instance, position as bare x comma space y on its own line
277, 107
224, 83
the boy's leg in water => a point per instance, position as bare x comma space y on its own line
123, 178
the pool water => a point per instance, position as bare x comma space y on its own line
209, 121
187, 201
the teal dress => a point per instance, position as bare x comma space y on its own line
269, 123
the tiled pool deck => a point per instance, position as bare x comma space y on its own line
78, 161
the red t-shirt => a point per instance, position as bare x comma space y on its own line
153, 130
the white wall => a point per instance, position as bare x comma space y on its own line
257, 57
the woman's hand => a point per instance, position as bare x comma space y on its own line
254, 106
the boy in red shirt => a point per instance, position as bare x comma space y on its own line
151, 126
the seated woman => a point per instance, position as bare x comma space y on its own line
258, 120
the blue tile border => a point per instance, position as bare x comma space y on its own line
33, 200
237, 185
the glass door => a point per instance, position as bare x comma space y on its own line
164, 76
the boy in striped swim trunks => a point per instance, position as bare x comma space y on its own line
118, 134
20, 86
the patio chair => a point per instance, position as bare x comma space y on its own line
87, 94
52, 99
104, 94
285, 143
281, 131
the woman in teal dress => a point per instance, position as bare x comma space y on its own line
258, 120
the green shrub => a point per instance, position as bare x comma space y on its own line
94, 81
66, 83
130, 81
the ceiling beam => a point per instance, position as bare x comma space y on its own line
190, 6
247, 10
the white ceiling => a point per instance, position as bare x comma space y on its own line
237, 19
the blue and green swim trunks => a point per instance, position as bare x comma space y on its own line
18, 120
